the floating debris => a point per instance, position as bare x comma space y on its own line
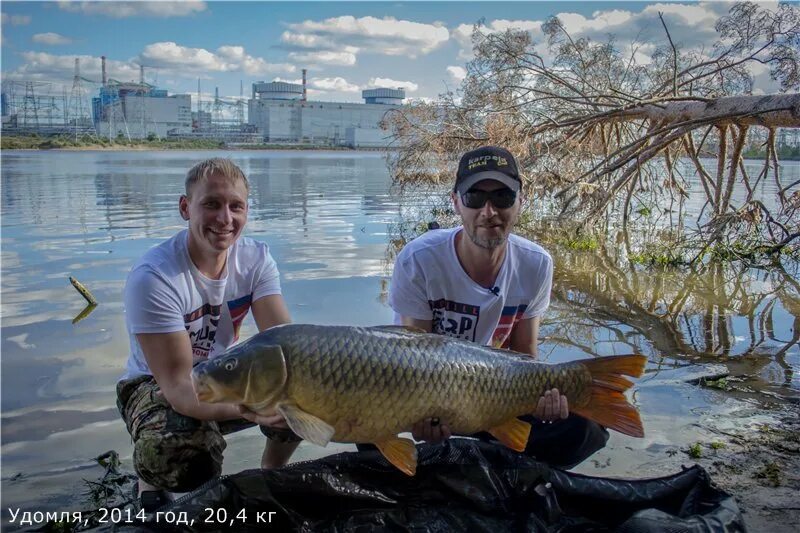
83, 290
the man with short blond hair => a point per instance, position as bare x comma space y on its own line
219, 166
185, 301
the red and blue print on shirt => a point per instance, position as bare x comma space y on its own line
511, 314
238, 310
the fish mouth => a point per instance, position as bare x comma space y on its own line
202, 390
204, 394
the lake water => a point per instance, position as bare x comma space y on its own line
328, 217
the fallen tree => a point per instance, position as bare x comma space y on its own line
605, 138
771, 111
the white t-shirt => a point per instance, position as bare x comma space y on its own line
429, 283
165, 292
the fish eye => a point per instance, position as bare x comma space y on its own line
230, 364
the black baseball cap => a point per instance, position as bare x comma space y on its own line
487, 163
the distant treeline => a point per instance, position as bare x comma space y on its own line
90, 142
34, 142
785, 153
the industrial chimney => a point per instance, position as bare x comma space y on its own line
103, 65
304, 85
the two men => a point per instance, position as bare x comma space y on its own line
482, 283
185, 301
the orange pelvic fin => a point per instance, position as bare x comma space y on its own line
513, 433
401, 453
607, 405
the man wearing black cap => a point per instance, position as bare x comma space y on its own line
482, 283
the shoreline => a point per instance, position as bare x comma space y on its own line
86, 144
237, 148
140, 148
146, 149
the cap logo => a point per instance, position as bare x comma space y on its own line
484, 160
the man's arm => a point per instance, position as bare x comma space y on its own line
424, 325
169, 357
270, 311
525, 336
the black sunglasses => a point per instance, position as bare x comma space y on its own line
500, 198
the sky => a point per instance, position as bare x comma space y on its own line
346, 46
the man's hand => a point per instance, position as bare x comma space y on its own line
271, 418
552, 406
431, 430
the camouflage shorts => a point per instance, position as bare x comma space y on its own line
172, 451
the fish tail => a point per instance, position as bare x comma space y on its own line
607, 404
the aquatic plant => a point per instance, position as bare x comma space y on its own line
695, 450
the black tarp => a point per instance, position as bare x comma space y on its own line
463, 485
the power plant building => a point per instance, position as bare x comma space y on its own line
138, 110
278, 112
281, 114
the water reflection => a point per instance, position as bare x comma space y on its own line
745, 317
327, 218
90, 215
604, 303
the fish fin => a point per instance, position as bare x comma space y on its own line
607, 404
306, 425
513, 433
394, 328
402, 453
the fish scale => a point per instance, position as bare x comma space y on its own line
369, 384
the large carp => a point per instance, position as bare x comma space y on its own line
366, 385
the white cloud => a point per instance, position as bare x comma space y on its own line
135, 9
176, 60
172, 55
642, 53
393, 84
457, 73
300, 40
601, 21
762, 81
324, 57
236, 55
700, 15
690, 25
61, 68
50, 38
387, 36
186, 61
463, 33
16, 20
333, 84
